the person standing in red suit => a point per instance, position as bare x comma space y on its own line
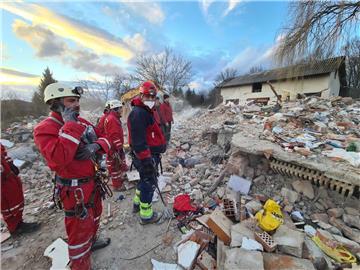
71, 147
12, 197
116, 162
167, 117
101, 121
156, 110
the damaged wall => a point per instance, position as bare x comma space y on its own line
284, 88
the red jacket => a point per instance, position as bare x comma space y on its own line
145, 135
100, 125
6, 163
166, 112
114, 131
58, 143
156, 114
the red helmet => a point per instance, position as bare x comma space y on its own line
148, 88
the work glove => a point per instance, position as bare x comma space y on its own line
148, 167
86, 151
14, 169
69, 115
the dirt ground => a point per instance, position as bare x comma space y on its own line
128, 239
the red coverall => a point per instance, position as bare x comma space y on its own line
12, 197
100, 125
166, 118
166, 112
156, 113
116, 158
58, 142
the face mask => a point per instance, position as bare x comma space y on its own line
149, 103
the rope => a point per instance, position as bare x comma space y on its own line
146, 252
138, 256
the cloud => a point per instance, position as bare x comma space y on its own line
152, 12
17, 84
205, 5
42, 40
47, 44
100, 41
137, 42
252, 56
216, 14
3, 52
14, 77
231, 5
90, 62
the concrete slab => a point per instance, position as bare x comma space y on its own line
289, 241
187, 253
238, 231
239, 259
220, 254
340, 171
283, 262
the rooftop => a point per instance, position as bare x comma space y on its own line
299, 70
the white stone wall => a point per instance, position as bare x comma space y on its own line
286, 88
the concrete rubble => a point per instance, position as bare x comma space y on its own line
221, 158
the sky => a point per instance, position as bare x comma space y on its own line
94, 40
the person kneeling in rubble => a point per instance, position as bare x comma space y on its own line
69, 145
147, 143
12, 198
116, 162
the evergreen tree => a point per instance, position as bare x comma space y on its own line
39, 106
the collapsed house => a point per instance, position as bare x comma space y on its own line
324, 78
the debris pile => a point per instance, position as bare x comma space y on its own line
254, 217
232, 209
318, 126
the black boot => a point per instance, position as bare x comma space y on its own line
26, 227
154, 219
100, 243
136, 208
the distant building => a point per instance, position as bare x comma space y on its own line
324, 78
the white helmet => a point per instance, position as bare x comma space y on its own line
107, 105
58, 90
114, 104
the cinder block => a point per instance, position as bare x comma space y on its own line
266, 241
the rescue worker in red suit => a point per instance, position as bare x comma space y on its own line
100, 124
156, 111
12, 197
147, 143
69, 145
114, 132
167, 117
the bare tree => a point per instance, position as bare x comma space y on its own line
225, 75
352, 52
317, 29
168, 70
122, 84
102, 90
256, 69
